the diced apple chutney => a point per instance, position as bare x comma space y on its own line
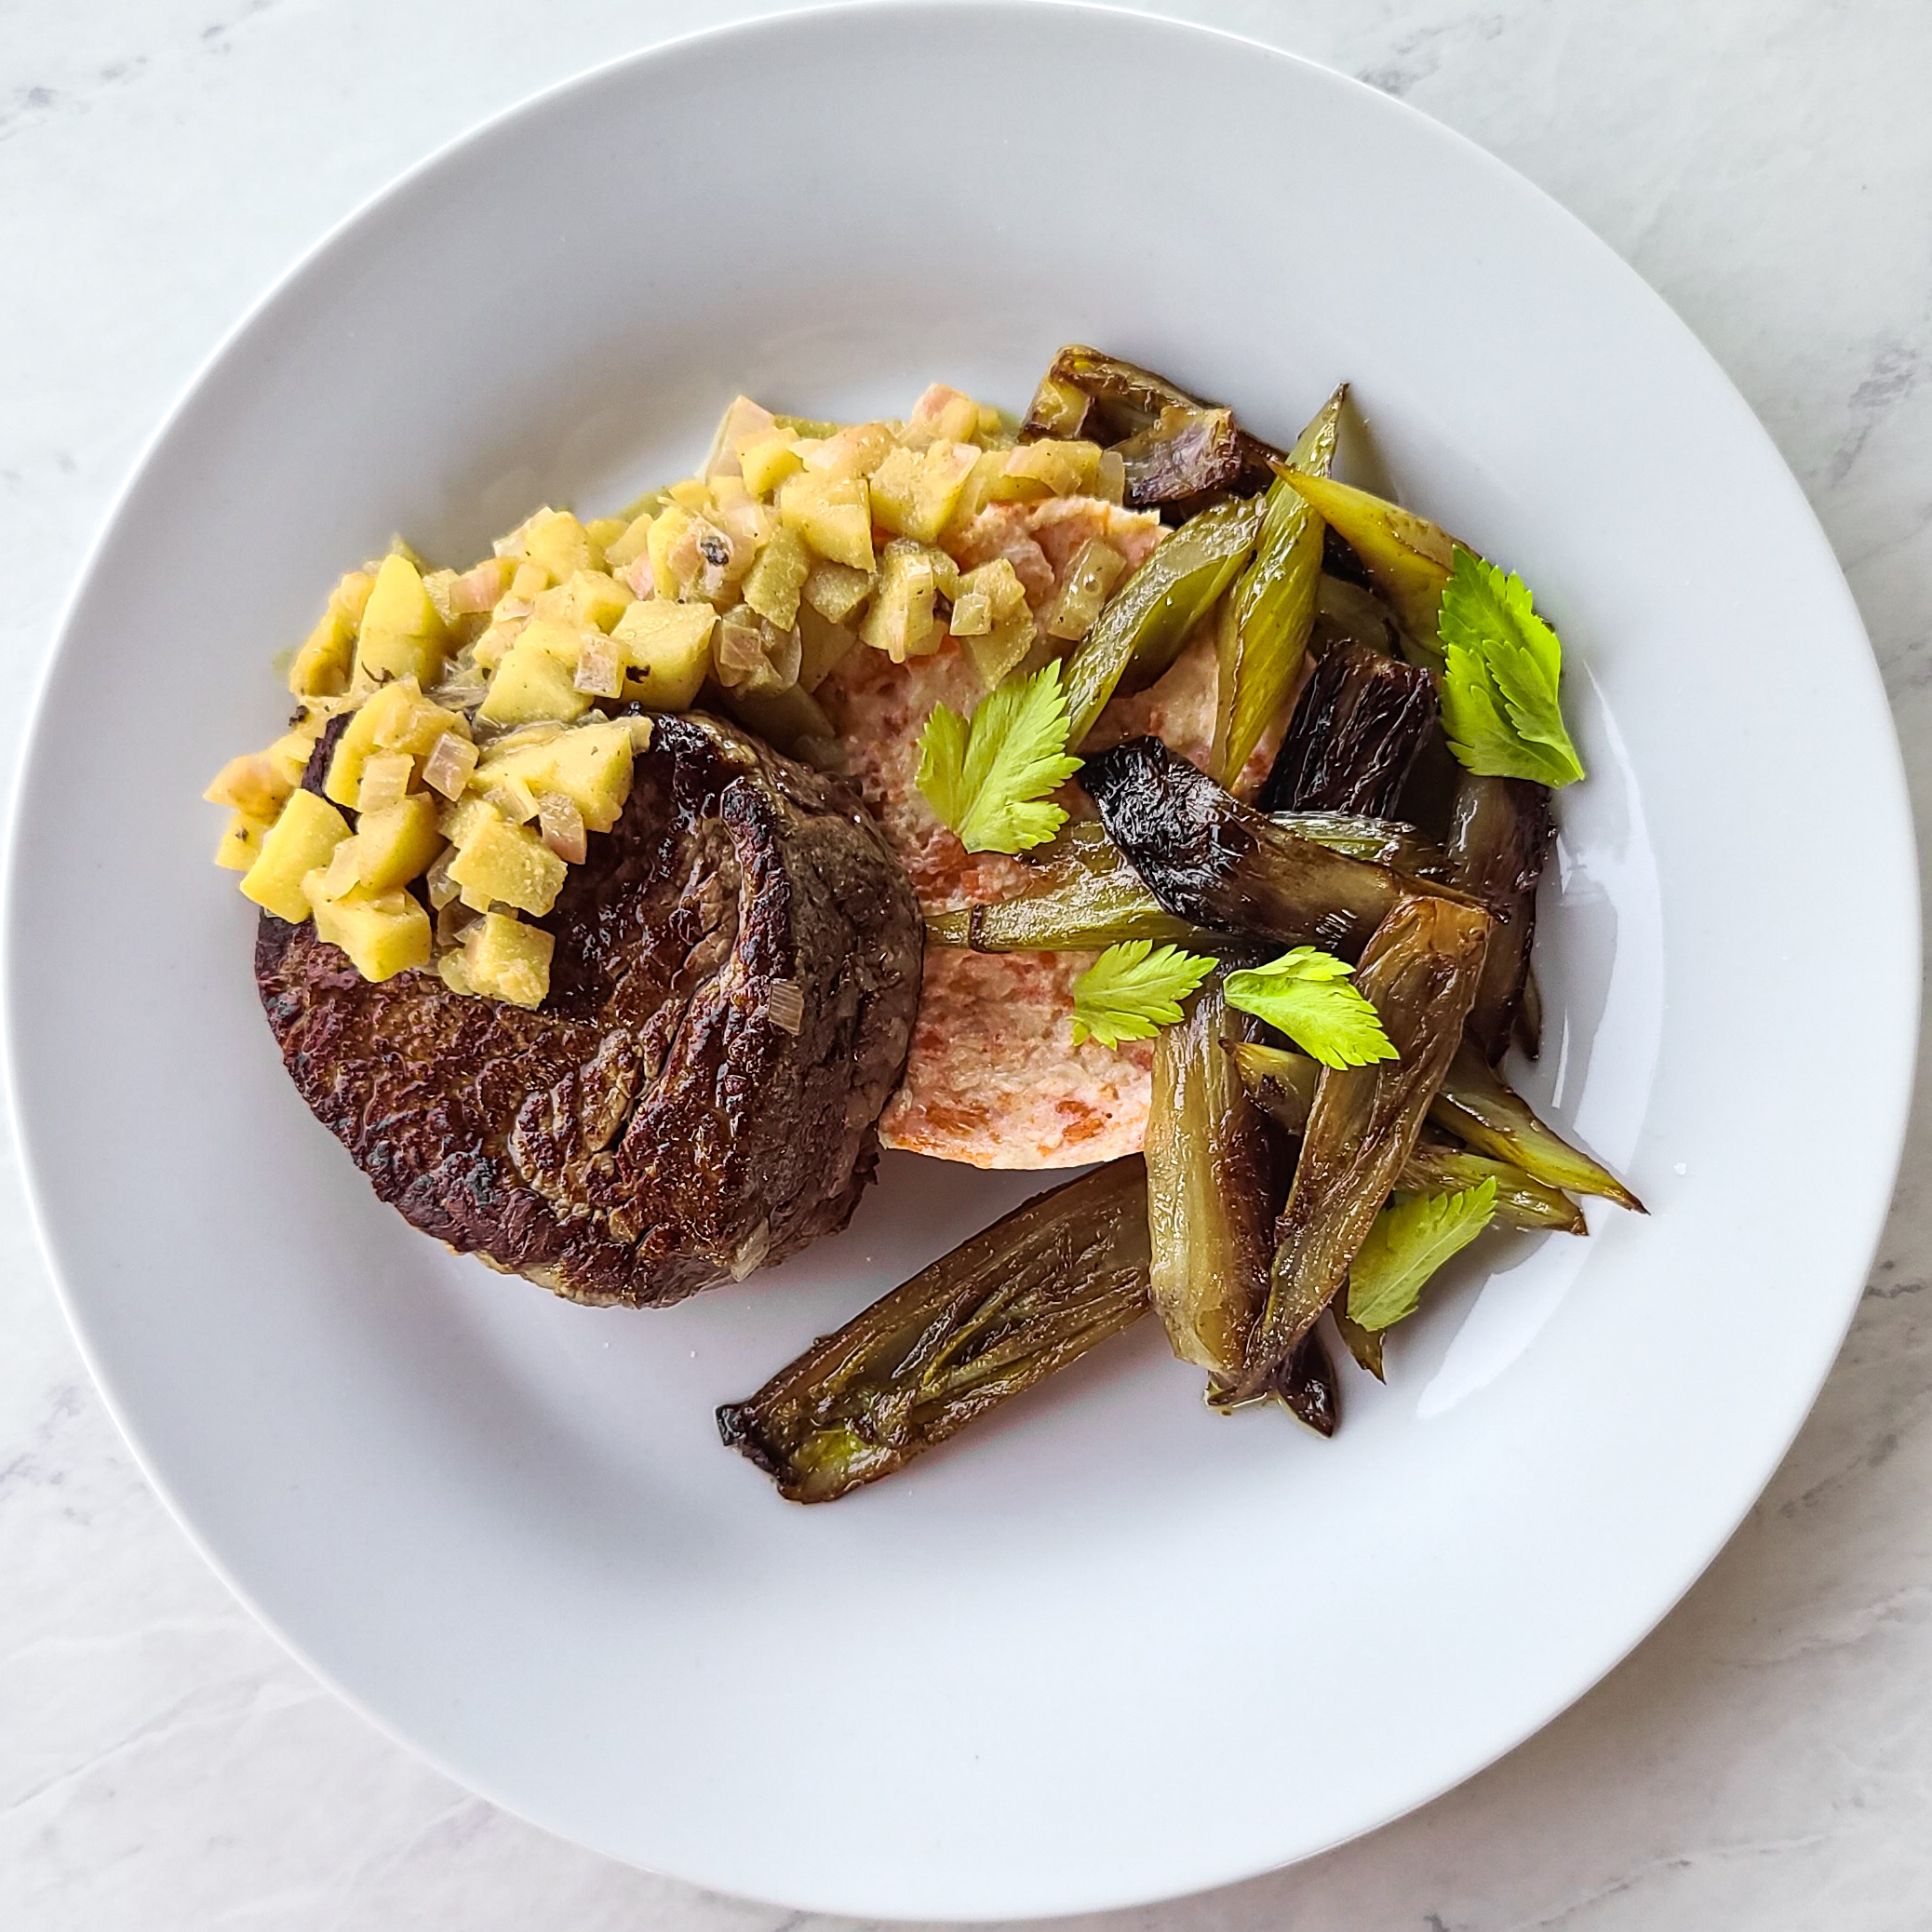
485, 718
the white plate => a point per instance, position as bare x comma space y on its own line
1106, 1647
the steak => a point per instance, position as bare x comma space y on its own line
731, 999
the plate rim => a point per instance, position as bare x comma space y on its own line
36, 1177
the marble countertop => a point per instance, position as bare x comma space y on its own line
1764, 1759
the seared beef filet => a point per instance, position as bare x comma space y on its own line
731, 999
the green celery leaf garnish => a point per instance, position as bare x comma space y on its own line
1131, 991
1501, 665
1306, 994
1406, 1246
988, 780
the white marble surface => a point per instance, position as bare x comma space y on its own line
1765, 1759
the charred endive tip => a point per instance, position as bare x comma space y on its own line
1005, 1310
1480, 1107
1208, 858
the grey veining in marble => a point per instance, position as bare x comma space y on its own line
1764, 1761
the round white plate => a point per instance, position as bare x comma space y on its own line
1105, 1647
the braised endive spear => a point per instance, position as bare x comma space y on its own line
1005, 1310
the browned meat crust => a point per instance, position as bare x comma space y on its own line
656, 1126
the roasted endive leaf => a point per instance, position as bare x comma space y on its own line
1140, 631
1184, 455
1263, 642
1407, 558
1521, 1201
1284, 1085
1086, 393
1420, 971
1364, 1344
1306, 1388
1499, 841
1086, 894
1480, 1108
1002, 1312
1358, 725
1209, 858
1211, 1190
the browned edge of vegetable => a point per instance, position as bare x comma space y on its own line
1215, 1187
1482, 1111
1084, 891
1086, 393
1356, 731
1284, 1085
1420, 971
1005, 1310
1212, 860
1499, 837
